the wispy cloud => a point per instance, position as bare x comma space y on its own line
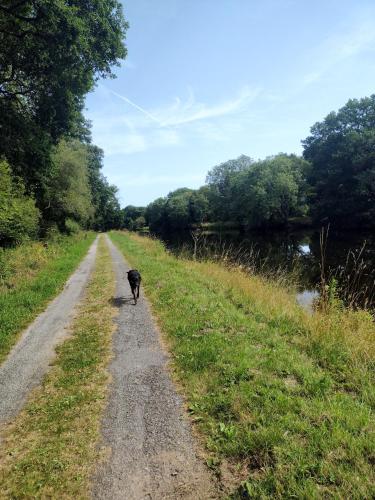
339, 47
180, 113
132, 128
136, 106
191, 111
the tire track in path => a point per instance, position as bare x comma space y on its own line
29, 359
152, 453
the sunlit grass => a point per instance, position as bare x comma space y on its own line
30, 276
52, 447
283, 399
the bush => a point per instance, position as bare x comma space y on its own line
19, 217
72, 227
51, 233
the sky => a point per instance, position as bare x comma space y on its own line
208, 80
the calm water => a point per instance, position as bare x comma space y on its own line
350, 258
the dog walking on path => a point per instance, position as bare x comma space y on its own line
134, 279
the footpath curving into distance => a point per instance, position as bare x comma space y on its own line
151, 447
28, 361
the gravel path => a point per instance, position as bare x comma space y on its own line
151, 448
29, 360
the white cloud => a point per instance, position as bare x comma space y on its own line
139, 108
339, 47
132, 128
182, 113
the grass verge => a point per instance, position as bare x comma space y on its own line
283, 400
50, 449
30, 276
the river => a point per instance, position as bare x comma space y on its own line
349, 258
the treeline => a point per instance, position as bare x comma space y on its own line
334, 181
51, 55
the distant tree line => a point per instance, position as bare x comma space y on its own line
51, 55
334, 181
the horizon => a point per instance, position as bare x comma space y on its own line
206, 83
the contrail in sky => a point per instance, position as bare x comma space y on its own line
145, 112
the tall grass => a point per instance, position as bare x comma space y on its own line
30, 276
247, 259
284, 401
351, 284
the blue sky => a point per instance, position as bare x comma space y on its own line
208, 80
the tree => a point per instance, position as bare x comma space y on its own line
51, 54
220, 181
108, 214
69, 195
271, 191
19, 217
133, 217
341, 150
177, 209
155, 215
198, 206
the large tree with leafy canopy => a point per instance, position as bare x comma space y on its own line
270, 191
51, 54
220, 180
341, 149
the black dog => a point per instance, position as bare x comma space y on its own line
134, 279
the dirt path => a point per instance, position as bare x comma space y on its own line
28, 361
151, 448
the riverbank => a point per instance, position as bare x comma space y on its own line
31, 275
283, 401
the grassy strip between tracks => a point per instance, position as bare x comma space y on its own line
282, 400
50, 449
30, 276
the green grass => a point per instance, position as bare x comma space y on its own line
284, 401
51, 448
30, 276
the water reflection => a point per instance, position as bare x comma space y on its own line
306, 299
298, 253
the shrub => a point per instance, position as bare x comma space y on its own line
19, 217
71, 226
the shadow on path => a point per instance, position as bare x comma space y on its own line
120, 301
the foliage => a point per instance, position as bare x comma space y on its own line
76, 192
106, 205
270, 191
341, 150
220, 180
155, 214
251, 194
179, 210
72, 227
52, 52
19, 217
133, 218
108, 212
68, 188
